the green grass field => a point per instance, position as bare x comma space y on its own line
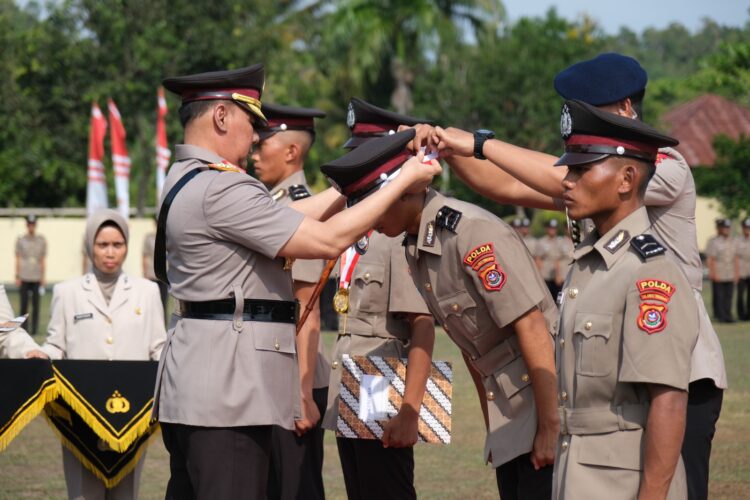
31, 467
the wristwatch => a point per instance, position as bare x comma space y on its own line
480, 136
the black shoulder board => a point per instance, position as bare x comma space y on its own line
298, 192
448, 218
647, 246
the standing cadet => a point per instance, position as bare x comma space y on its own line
628, 322
743, 265
278, 162
31, 251
229, 371
551, 254
617, 84
381, 314
481, 284
723, 271
522, 227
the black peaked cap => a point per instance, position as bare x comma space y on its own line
367, 121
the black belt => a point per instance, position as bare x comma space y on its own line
270, 311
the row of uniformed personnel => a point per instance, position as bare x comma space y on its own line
620, 386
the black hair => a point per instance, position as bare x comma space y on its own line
110, 223
192, 110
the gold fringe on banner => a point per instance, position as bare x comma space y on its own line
26, 413
108, 482
118, 441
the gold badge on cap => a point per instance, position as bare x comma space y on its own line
341, 301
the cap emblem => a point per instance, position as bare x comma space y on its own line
283, 126
620, 150
566, 122
351, 119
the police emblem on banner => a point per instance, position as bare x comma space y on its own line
372, 391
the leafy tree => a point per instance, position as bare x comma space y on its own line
729, 180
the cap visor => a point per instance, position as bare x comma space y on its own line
355, 141
264, 134
260, 118
579, 158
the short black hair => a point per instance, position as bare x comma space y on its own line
194, 109
636, 100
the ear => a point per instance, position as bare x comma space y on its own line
624, 108
628, 179
221, 117
292, 152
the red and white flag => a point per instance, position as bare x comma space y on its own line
120, 160
162, 148
96, 187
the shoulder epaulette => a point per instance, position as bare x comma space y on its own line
448, 218
225, 166
298, 192
647, 246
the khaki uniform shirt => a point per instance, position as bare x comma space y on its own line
476, 306
723, 250
224, 233
16, 343
625, 322
305, 270
381, 296
31, 250
148, 256
83, 326
742, 245
552, 252
530, 243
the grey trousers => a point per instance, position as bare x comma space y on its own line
83, 485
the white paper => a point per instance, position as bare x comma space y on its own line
12, 324
373, 398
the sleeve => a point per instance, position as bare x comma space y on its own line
711, 248
667, 183
17, 343
155, 323
502, 272
660, 326
243, 212
44, 246
55, 345
307, 270
403, 296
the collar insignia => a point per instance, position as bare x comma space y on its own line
429, 234
618, 241
278, 194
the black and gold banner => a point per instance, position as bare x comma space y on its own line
27, 385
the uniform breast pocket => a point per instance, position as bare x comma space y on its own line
369, 280
460, 312
592, 333
274, 337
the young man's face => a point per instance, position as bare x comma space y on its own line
723, 231
268, 160
590, 189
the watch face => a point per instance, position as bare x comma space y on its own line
485, 132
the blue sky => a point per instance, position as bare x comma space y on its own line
637, 14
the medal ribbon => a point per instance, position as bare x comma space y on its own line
349, 261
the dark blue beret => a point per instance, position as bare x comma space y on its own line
605, 79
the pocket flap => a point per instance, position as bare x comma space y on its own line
513, 377
593, 324
621, 450
275, 337
368, 272
457, 304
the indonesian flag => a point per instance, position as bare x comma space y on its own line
96, 187
162, 149
120, 160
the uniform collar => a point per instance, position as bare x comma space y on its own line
297, 177
615, 243
189, 151
97, 299
433, 202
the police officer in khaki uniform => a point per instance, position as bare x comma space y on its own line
628, 322
278, 162
381, 314
31, 252
480, 282
723, 269
743, 267
550, 255
617, 84
522, 227
229, 371
104, 314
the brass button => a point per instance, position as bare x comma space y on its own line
572, 293
564, 396
562, 342
276, 345
367, 276
564, 445
138, 311
490, 396
588, 325
454, 307
335, 365
109, 321
110, 340
428, 286
525, 377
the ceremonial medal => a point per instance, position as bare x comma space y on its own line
341, 301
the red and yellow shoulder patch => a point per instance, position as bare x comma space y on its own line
655, 294
482, 261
